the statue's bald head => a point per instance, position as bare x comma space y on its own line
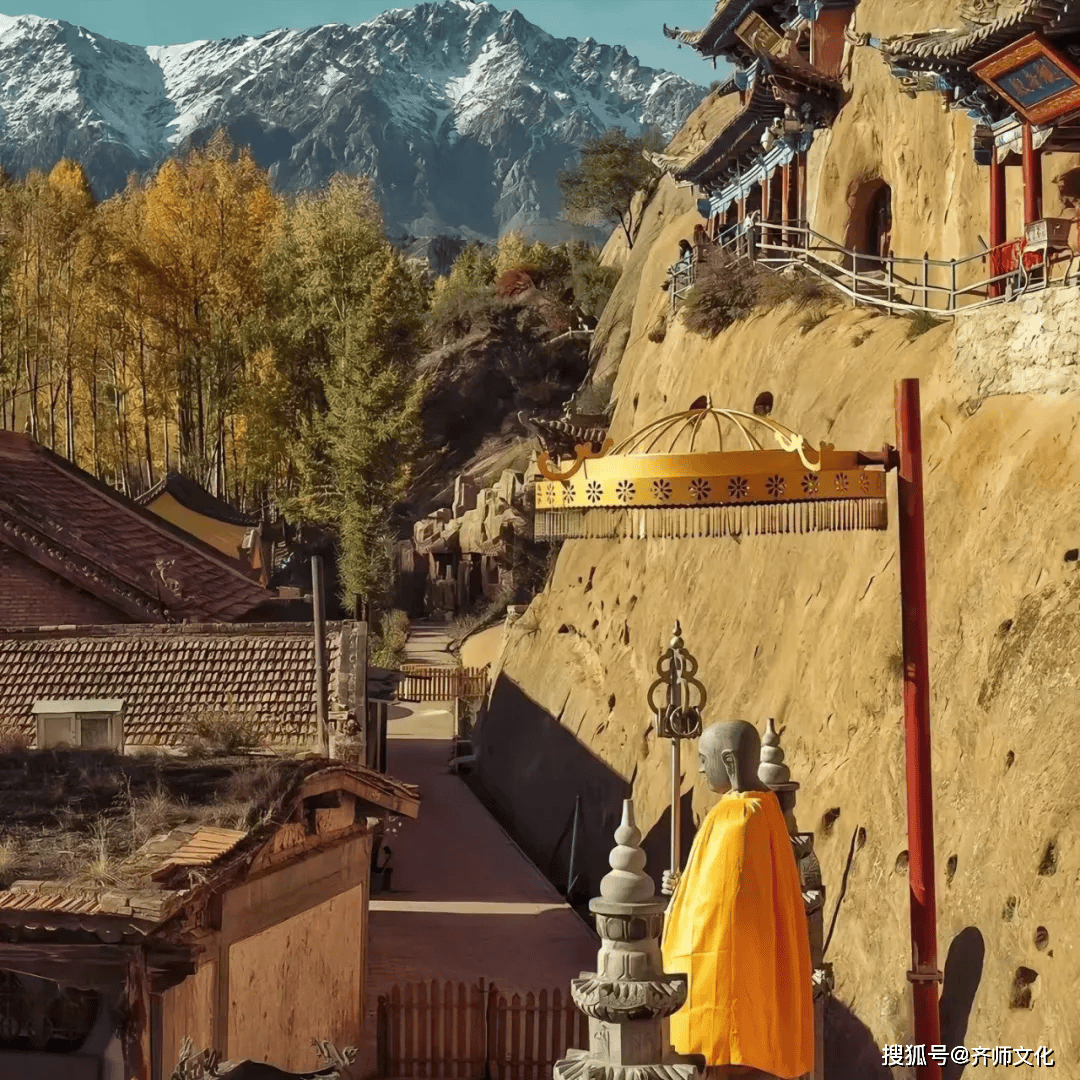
729, 754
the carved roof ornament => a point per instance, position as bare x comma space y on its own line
676, 478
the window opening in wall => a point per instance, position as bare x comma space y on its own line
43, 1016
88, 724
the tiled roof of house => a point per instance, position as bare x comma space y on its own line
104, 543
148, 886
194, 496
166, 674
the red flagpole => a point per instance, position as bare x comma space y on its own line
924, 974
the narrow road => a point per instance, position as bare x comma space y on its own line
465, 903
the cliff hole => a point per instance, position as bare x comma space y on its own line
1023, 980
869, 230
950, 869
564, 629
588, 584
611, 702
763, 403
1010, 758
1004, 628
625, 634
829, 819
1048, 865
595, 623
1009, 910
1072, 555
860, 838
1042, 938
901, 864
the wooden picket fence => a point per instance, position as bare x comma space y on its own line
428, 1030
430, 683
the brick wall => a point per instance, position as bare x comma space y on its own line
31, 596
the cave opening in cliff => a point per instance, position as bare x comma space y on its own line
869, 230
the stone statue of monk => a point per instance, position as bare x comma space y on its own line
736, 925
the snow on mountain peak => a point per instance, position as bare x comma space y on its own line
461, 112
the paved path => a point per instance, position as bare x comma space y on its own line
466, 902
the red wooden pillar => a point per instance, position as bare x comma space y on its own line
766, 210
802, 210
1032, 178
788, 208
924, 974
998, 220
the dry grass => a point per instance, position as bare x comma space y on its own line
728, 289
387, 648
483, 615
223, 729
725, 291
80, 817
920, 322
794, 286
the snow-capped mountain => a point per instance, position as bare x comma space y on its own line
463, 114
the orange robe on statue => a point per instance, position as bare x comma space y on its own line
737, 927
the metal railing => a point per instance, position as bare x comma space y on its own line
892, 282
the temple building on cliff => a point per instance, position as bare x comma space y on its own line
1016, 76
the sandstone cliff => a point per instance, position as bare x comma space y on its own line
807, 629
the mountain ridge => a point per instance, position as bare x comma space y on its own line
462, 113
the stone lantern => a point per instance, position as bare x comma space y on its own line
629, 998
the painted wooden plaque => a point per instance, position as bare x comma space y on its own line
1034, 78
756, 34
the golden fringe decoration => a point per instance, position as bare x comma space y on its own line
689, 522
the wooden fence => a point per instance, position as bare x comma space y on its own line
424, 683
475, 1032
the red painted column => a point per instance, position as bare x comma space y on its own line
766, 211
998, 219
785, 202
802, 210
924, 974
1032, 178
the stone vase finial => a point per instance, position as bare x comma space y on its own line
772, 770
627, 882
629, 998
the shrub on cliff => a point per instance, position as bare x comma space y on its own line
727, 289
460, 308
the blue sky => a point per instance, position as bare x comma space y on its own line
635, 24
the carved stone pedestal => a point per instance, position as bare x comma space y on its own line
629, 999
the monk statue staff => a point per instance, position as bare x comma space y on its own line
677, 719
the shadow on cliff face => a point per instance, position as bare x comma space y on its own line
851, 1051
657, 844
530, 771
963, 973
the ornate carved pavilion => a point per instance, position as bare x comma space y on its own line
1017, 76
787, 59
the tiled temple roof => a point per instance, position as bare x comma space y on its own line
166, 674
771, 89
73, 525
719, 34
742, 136
190, 493
960, 48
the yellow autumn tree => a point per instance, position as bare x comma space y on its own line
209, 218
